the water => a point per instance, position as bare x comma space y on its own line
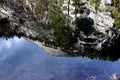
21, 59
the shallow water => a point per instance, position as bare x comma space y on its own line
21, 59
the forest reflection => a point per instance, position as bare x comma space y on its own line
110, 56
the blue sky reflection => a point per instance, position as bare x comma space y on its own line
23, 60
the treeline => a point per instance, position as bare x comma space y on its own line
116, 13
65, 31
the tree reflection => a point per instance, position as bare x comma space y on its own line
111, 54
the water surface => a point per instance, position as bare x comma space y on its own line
21, 59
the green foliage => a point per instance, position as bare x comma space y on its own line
79, 6
62, 31
92, 1
64, 35
116, 13
96, 2
41, 6
0, 3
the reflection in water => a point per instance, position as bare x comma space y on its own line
23, 60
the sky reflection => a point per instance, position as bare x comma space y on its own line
23, 60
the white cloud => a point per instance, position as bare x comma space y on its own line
9, 46
18, 39
10, 42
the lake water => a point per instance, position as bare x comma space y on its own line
21, 59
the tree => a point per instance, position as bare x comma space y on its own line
116, 13
58, 20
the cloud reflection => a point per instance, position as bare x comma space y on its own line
10, 42
22, 59
9, 46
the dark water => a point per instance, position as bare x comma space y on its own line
23, 60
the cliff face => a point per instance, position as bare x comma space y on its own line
101, 30
22, 17
73, 26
